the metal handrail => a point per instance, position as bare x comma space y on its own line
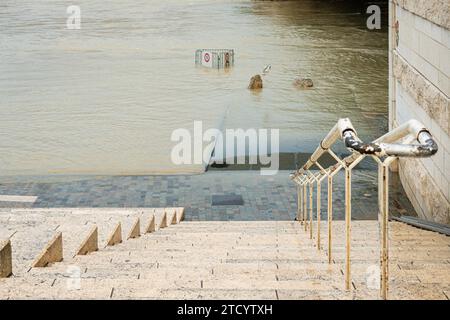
410, 139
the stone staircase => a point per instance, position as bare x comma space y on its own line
215, 259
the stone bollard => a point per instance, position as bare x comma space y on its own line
303, 83
255, 82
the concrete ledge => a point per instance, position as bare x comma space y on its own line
10, 198
135, 231
5, 259
53, 252
10, 201
163, 223
116, 236
181, 218
90, 244
174, 217
151, 225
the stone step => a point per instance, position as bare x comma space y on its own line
285, 271
200, 260
170, 280
186, 290
210, 249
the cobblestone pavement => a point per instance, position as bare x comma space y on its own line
265, 197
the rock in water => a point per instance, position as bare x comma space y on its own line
303, 83
255, 82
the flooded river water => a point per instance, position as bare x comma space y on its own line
105, 99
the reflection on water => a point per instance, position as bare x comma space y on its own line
105, 99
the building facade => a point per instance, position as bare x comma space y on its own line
419, 88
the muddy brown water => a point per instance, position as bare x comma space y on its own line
105, 99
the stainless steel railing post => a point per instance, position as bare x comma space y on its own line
299, 203
324, 174
319, 182
304, 204
330, 214
383, 189
383, 218
410, 139
311, 185
302, 195
348, 217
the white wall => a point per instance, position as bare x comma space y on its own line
424, 48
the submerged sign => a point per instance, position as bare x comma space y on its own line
215, 58
207, 59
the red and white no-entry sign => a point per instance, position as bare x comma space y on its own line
207, 59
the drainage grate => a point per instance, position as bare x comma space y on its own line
227, 200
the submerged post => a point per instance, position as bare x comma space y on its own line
348, 217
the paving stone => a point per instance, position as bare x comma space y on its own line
261, 200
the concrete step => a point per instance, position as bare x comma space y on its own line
200, 260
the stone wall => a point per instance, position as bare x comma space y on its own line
419, 88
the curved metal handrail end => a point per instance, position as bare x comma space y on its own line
426, 148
